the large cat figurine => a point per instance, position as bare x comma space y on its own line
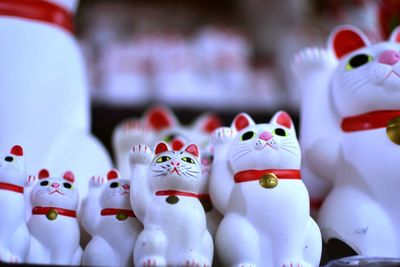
14, 235
54, 226
256, 183
108, 217
44, 83
361, 89
164, 197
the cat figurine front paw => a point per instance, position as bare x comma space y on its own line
164, 195
14, 235
108, 217
256, 183
53, 225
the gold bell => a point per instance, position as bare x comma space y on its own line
121, 216
269, 180
172, 199
51, 215
393, 130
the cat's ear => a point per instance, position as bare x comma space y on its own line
193, 149
69, 176
112, 174
43, 173
282, 118
17, 150
346, 39
161, 147
207, 123
395, 35
160, 117
241, 121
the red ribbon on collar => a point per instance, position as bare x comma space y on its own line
111, 211
255, 175
38, 10
12, 187
368, 121
176, 193
61, 211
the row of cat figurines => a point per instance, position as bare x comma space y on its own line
160, 216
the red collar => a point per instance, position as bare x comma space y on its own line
255, 175
38, 10
46, 210
368, 121
111, 211
176, 193
12, 187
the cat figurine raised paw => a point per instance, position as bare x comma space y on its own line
256, 183
53, 224
164, 195
14, 235
108, 217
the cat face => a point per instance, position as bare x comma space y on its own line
12, 167
55, 192
368, 75
116, 192
176, 170
264, 146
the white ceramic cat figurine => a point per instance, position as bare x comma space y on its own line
361, 155
43, 80
14, 235
108, 217
256, 183
164, 197
53, 226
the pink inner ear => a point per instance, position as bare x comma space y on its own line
241, 122
43, 173
161, 147
193, 149
69, 176
17, 150
346, 41
113, 174
284, 120
212, 123
159, 119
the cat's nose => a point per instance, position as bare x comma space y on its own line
125, 186
389, 57
175, 163
55, 185
265, 136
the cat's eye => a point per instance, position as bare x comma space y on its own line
169, 138
247, 136
44, 183
114, 184
9, 158
358, 61
67, 185
163, 159
188, 160
280, 132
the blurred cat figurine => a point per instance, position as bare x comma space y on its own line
108, 217
362, 151
256, 183
53, 225
14, 235
164, 196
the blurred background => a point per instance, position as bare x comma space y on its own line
203, 55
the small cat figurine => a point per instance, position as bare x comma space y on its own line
360, 154
53, 225
164, 195
256, 183
108, 217
14, 235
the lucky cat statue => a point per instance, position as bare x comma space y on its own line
256, 183
54, 226
164, 197
14, 235
44, 82
108, 217
360, 154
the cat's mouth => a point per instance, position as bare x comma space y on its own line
175, 170
56, 191
124, 193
